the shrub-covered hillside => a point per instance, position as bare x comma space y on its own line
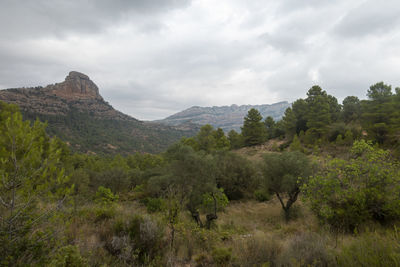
315, 189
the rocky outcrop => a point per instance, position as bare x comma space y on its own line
76, 86
225, 117
77, 93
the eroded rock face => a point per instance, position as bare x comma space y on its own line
76, 86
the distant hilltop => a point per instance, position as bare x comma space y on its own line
225, 117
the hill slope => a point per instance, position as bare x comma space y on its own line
225, 117
77, 114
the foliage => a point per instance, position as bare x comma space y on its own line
68, 256
236, 175
221, 256
235, 139
208, 140
85, 133
281, 173
253, 130
31, 174
262, 195
104, 196
351, 109
140, 241
313, 114
154, 204
348, 193
215, 200
192, 174
296, 145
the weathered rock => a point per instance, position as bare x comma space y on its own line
76, 86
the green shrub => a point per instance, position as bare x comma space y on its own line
140, 240
262, 195
347, 194
68, 256
104, 196
221, 256
154, 204
104, 213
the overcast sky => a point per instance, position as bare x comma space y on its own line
152, 58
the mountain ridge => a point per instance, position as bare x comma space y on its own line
225, 117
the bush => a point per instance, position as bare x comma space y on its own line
68, 256
104, 196
154, 204
348, 193
104, 213
221, 256
141, 240
262, 195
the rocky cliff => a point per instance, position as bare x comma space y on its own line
225, 117
76, 112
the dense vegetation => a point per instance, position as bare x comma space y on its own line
88, 133
320, 187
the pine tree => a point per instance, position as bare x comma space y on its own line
253, 130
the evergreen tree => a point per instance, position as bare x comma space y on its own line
253, 130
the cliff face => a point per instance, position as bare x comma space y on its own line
225, 117
77, 86
76, 113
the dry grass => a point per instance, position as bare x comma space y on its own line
267, 217
255, 153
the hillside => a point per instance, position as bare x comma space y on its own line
77, 113
225, 117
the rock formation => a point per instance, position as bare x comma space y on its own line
76, 86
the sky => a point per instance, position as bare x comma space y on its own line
151, 59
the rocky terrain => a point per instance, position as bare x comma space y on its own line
225, 117
77, 113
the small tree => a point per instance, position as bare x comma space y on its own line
281, 173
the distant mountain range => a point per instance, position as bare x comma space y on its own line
76, 113
225, 117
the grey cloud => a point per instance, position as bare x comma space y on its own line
44, 18
370, 18
153, 58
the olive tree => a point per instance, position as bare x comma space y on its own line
192, 177
281, 173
